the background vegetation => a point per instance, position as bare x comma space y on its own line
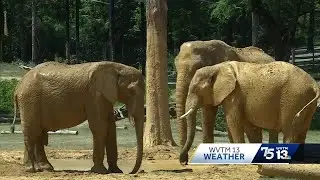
281, 25
6, 94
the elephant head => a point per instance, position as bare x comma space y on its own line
197, 54
124, 84
209, 85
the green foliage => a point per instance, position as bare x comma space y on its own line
223, 10
220, 119
227, 20
315, 123
7, 88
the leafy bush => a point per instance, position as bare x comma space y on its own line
6, 94
220, 120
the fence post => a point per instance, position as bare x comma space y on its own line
313, 67
293, 52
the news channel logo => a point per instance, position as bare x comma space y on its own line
255, 153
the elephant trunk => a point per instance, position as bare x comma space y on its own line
139, 126
191, 114
182, 87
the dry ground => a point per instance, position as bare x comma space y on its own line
159, 163
71, 156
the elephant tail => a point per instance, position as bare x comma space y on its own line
16, 106
296, 124
318, 101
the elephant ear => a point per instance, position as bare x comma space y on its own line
224, 82
105, 81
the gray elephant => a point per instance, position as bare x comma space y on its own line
277, 96
196, 54
54, 96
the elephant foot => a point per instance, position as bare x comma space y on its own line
99, 169
114, 169
183, 159
46, 166
33, 169
30, 169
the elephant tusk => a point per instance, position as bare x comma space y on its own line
131, 120
186, 114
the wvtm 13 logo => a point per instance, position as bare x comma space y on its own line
277, 153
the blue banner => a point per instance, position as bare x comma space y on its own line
275, 153
256, 153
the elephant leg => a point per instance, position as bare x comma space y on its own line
99, 140
31, 131
273, 136
26, 159
209, 118
235, 125
29, 155
111, 146
229, 135
254, 133
234, 118
97, 120
301, 137
40, 153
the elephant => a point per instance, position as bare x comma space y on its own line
277, 95
54, 96
196, 54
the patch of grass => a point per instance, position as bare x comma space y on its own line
12, 69
7, 88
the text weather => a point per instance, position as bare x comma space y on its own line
223, 153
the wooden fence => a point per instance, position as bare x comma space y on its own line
309, 60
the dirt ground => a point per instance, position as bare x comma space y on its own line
71, 156
159, 163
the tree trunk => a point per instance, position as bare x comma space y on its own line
77, 30
311, 27
157, 129
277, 34
1, 30
292, 34
34, 31
143, 37
254, 22
22, 34
104, 50
111, 24
67, 45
